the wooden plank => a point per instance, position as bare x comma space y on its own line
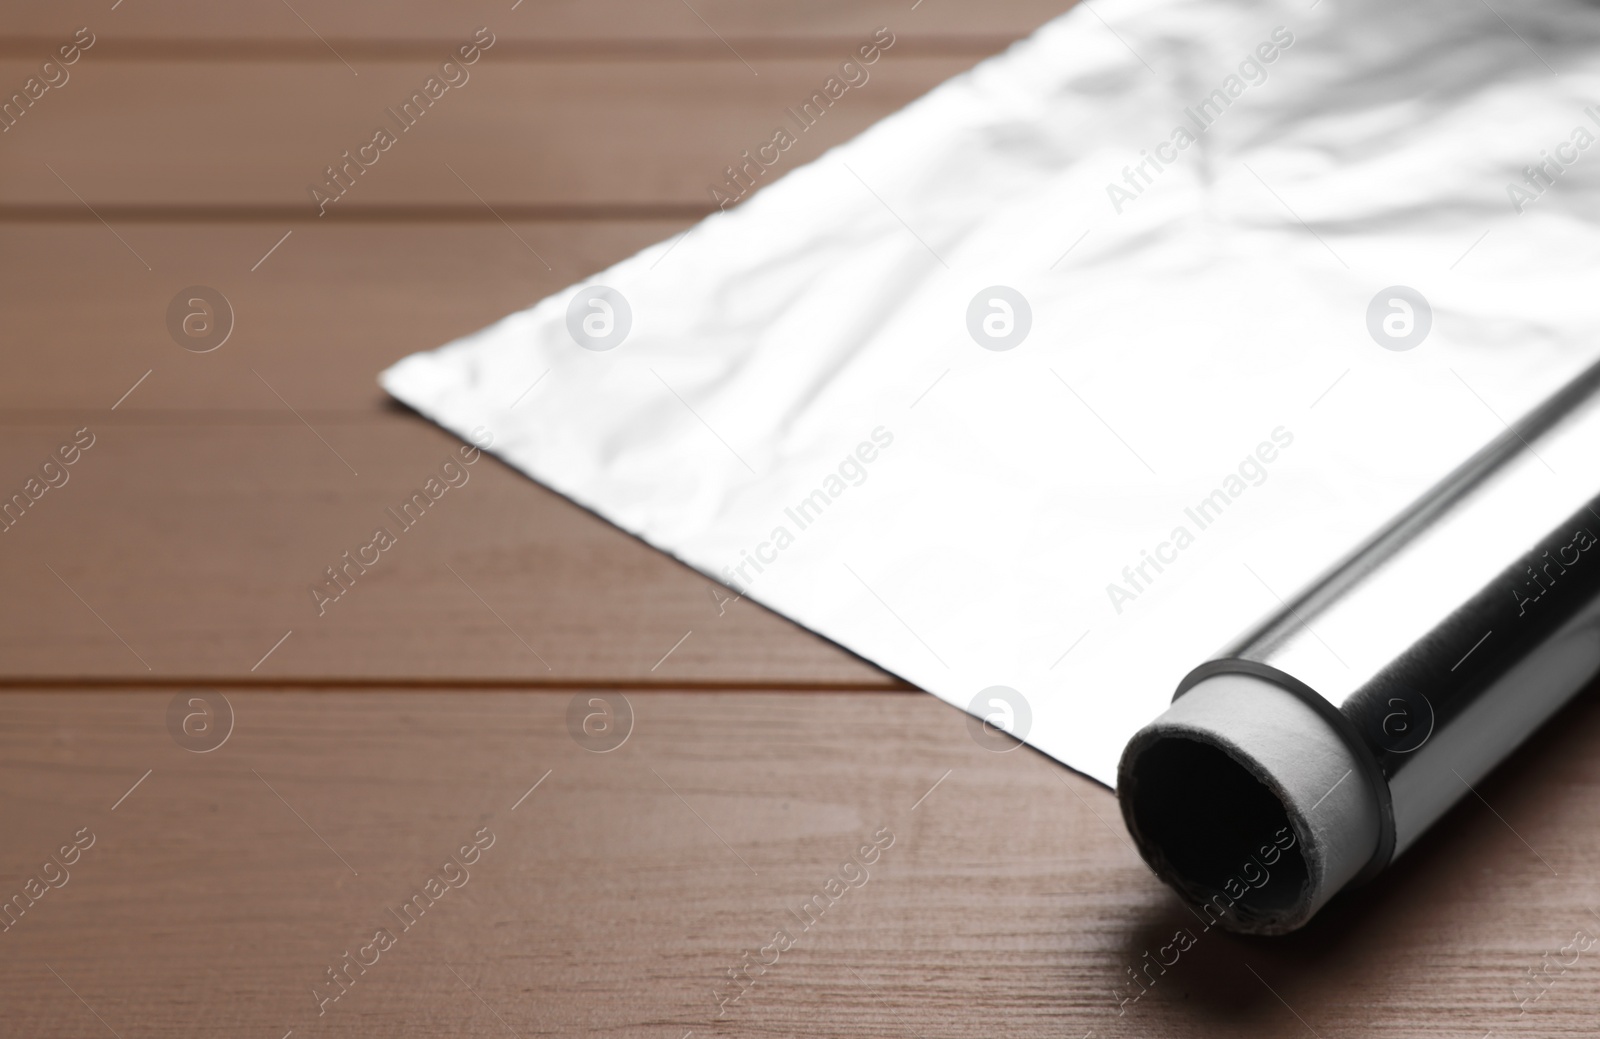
616, 896
345, 25
319, 317
578, 133
187, 551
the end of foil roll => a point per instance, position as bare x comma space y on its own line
1248, 803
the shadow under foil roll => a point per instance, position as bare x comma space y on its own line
1329, 737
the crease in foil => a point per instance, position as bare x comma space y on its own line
974, 544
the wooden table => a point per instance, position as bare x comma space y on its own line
408, 812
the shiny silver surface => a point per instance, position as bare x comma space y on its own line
1457, 630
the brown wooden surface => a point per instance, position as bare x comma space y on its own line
197, 539
782, 26
414, 286
381, 736
260, 134
620, 891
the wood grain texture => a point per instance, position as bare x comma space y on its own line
603, 23
319, 318
186, 550
617, 894
515, 133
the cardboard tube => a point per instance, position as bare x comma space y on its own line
1249, 803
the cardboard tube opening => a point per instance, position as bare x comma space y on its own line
1248, 803
1203, 817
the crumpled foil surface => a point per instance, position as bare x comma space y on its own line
1043, 388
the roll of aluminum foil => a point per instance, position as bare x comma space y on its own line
1329, 737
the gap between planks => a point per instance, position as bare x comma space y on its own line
384, 684
26, 48
404, 213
